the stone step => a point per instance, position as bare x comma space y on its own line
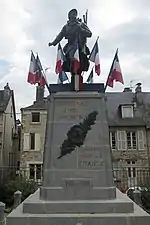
137, 218
94, 193
35, 205
97, 206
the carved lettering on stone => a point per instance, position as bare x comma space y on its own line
70, 112
90, 158
77, 182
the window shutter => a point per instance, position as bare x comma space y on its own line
37, 142
110, 139
26, 141
113, 140
141, 140
121, 140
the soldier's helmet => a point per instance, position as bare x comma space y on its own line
72, 11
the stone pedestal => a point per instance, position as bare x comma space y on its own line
87, 171
79, 187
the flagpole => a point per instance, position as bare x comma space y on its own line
110, 71
93, 73
86, 16
44, 74
92, 70
93, 47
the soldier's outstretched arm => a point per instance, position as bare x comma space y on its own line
59, 37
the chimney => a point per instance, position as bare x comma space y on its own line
138, 88
7, 92
39, 93
127, 89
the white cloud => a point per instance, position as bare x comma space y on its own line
112, 14
15, 46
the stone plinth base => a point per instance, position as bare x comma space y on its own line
94, 193
120, 211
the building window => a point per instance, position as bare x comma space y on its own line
35, 172
124, 140
131, 169
35, 117
131, 140
127, 111
18, 165
32, 141
141, 142
113, 140
121, 140
132, 173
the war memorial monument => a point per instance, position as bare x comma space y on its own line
78, 186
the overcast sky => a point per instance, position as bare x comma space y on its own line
31, 24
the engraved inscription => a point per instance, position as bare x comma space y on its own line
74, 111
71, 117
90, 158
77, 182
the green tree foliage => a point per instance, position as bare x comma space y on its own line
145, 197
7, 190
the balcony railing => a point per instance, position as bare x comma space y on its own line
126, 177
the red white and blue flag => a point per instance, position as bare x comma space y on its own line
115, 73
35, 74
94, 57
32, 74
76, 58
40, 79
62, 77
78, 78
60, 60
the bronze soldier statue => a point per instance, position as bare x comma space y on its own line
74, 28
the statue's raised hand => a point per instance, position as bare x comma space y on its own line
50, 44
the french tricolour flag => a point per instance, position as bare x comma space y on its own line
78, 79
94, 57
76, 59
62, 77
41, 79
115, 73
60, 59
32, 74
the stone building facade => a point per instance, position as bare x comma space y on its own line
8, 132
128, 116
33, 136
